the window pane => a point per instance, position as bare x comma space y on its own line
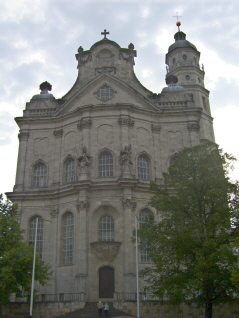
105, 92
32, 232
106, 165
144, 255
106, 229
39, 175
143, 168
68, 238
70, 171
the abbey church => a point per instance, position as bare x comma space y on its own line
86, 160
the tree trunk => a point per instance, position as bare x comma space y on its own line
208, 310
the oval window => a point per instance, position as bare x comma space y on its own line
187, 77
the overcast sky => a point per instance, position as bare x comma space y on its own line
39, 39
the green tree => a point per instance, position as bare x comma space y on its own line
190, 246
16, 257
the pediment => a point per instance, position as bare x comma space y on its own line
95, 93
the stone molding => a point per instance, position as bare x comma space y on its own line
155, 128
83, 205
54, 213
129, 204
23, 136
126, 121
84, 123
106, 251
193, 126
58, 133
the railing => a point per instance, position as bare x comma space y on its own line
143, 296
53, 298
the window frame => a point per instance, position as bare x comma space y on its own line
144, 174
71, 175
105, 169
106, 229
68, 238
40, 234
39, 176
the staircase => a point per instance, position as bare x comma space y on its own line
90, 311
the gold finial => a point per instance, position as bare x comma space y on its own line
178, 23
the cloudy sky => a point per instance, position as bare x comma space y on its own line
39, 39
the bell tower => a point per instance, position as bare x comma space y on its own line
183, 61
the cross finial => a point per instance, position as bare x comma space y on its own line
104, 33
178, 23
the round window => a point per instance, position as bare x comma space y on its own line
184, 57
187, 77
105, 92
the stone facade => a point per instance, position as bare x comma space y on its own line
85, 163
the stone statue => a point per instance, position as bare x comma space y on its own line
84, 160
125, 158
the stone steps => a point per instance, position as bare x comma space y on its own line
90, 311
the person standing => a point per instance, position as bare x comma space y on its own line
106, 308
100, 306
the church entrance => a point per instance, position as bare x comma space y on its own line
106, 282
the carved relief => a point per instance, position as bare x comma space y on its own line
193, 126
83, 60
58, 133
54, 213
83, 205
84, 160
23, 136
125, 158
155, 128
175, 140
105, 54
129, 204
106, 251
105, 69
105, 134
40, 146
84, 123
126, 121
70, 141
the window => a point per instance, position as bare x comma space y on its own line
39, 175
204, 102
106, 165
187, 77
143, 167
106, 228
68, 238
32, 232
185, 57
70, 170
174, 60
105, 92
173, 158
144, 255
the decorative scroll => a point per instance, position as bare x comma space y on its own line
84, 123
58, 133
126, 121
23, 136
155, 128
129, 204
194, 126
83, 205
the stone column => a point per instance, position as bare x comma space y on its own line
194, 128
57, 158
22, 152
129, 206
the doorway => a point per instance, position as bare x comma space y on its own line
106, 282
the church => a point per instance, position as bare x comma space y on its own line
86, 160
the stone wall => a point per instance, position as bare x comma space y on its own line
40, 310
155, 309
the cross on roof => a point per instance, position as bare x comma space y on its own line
104, 33
177, 16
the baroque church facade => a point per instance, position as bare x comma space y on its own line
86, 160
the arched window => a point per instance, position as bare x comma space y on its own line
144, 255
143, 167
32, 231
39, 175
106, 164
106, 228
173, 158
67, 238
70, 170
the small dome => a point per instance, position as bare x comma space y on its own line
180, 42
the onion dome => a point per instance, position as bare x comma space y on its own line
44, 87
180, 40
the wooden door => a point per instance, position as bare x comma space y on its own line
106, 282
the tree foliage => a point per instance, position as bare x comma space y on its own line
190, 246
16, 258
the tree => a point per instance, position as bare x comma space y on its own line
16, 257
190, 246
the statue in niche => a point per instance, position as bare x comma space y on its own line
84, 160
125, 158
